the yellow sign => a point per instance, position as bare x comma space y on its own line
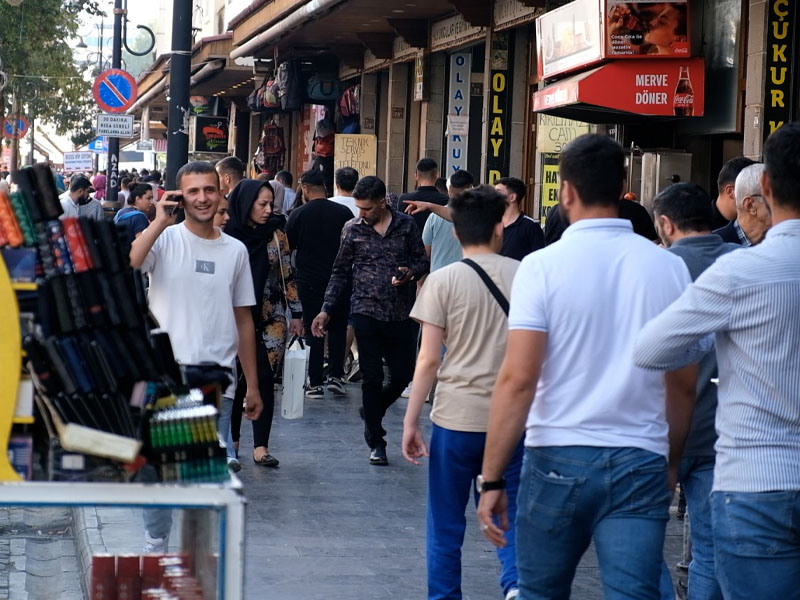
359, 151
549, 185
553, 133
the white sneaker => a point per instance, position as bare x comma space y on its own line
513, 593
155, 545
406, 392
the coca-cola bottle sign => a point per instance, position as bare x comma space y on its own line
683, 101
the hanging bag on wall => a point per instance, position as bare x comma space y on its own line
323, 88
254, 97
289, 80
271, 154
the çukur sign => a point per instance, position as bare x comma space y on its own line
779, 96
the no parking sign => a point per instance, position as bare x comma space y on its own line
115, 90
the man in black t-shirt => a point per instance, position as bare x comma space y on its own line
724, 207
426, 174
314, 231
521, 234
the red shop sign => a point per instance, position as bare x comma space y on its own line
662, 87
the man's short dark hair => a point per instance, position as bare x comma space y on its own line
139, 190
730, 171
125, 181
687, 205
782, 165
313, 177
441, 185
197, 167
475, 214
79, 183
427, 166
285, 178
514, 185
370, 188
346, 178
156, 175
594, 164
230, 165
461, 179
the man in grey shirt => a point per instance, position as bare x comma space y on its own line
683, 218
80, 203
750, 301
441, 244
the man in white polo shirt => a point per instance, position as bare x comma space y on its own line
597, 439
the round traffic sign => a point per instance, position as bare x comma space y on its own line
114, 90
21, 129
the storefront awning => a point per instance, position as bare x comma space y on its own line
626, 91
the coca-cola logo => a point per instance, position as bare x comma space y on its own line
683, 99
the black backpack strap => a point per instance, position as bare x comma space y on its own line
498, 295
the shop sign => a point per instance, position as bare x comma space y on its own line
549, 185
779, 98
359, 151
510, 13
420, 83
458, 106
402, 50
553, 133
210, 134
78, 161
497, 160
668, 88
454, 31
144, 146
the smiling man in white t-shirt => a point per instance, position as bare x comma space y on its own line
201, 291
600, 431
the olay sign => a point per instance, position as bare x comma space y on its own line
669, 88
585, 32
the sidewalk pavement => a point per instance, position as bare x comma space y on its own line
326, 525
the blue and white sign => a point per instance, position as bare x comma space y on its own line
458, 106
99, 145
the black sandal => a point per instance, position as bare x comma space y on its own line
267, 461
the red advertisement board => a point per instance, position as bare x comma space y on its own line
585, 32
668, 88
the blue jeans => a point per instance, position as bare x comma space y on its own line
570, 495
757, 544
224, 426
456, 458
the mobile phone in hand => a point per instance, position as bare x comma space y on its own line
399, 274
174, 209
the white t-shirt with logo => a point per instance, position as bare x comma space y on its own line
195, 284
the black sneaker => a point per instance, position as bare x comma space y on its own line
336, 387
378, 457
316, 392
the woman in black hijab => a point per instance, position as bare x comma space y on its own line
261, 231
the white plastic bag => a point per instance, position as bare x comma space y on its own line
295, 364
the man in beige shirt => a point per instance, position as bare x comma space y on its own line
463, 306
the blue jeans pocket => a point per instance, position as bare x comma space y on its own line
550, 499
755, 524
648, 487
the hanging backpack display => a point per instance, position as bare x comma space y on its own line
271, 154
349, 109
289, 83
323, 88
265, 97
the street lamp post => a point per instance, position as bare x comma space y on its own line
179, 71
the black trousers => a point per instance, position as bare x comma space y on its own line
312, 295
263, 425
396, 342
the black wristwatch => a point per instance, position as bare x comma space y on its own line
488, 486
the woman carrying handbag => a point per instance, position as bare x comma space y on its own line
253, 222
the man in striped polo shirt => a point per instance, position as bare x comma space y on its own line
750, 300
